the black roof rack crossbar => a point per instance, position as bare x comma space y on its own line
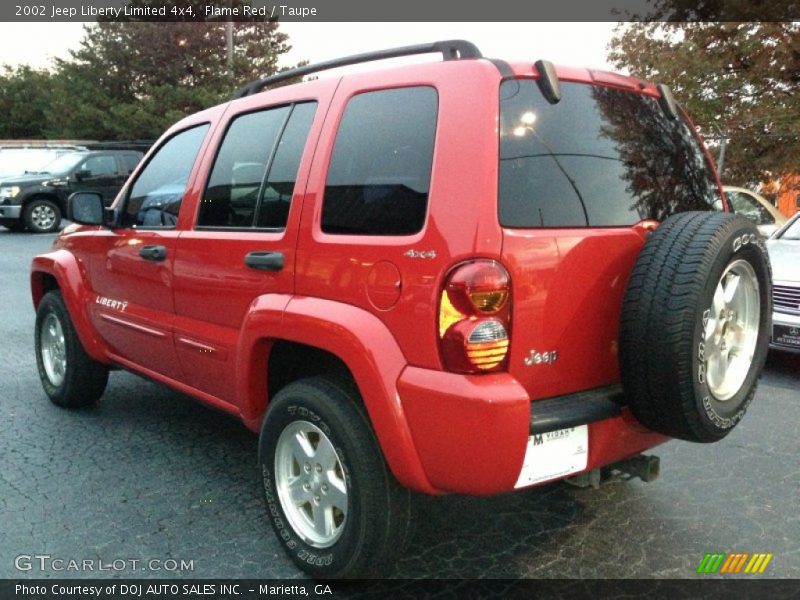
450, 50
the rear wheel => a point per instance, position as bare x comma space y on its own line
42, 216
69, 376
335, 506
695, 325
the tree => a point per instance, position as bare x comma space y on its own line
132, 80
24, 99
737, 79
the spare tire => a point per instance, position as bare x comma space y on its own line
695, 325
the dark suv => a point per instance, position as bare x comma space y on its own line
466, 276
37, 200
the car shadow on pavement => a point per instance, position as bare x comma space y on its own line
196, 483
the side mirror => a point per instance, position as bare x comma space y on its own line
85, 208
82, 174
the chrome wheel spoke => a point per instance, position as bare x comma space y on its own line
302, 450
715, 369
297, 492
730, 288
325, 456
337, 493
323, 520
718, 304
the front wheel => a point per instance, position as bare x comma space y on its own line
335, 506
42, 216
70, 377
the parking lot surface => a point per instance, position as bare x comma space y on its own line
150, 475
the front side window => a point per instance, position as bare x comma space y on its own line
99, 166
380, 170
599, 157
156, 195
253, 177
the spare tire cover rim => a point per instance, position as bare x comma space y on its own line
731, 332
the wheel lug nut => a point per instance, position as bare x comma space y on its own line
306, 467
306, 486
316, 499
324, 488
319, 468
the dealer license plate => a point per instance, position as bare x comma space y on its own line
554, 455
785, 335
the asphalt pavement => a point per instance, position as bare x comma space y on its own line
149, 478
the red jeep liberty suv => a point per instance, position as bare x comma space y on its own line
463, 276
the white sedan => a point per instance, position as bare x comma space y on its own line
784, 254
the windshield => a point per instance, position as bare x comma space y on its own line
599, 157
793, 231
16, 162
62, 164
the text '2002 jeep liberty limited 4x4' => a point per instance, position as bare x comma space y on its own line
464, 276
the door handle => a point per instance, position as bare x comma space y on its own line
153, 252
264, 261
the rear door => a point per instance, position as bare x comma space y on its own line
576, 178
242, 242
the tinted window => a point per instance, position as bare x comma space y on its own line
129, 162
100, 165
231, 195
156, 195
747, 206
380, 170
601, 156
277, 192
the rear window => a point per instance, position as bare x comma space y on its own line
600, 157
380, 171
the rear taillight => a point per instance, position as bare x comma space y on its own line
474, 317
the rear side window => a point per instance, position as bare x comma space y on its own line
253, 177
129, 162
156, 195
380, 170
599, 157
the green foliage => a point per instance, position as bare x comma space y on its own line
738, 78
24, 100
133, 80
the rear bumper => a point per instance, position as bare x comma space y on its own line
471, 432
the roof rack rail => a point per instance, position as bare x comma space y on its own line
450, 49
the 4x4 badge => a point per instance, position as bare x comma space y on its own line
420, 253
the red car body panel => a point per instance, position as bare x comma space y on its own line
205, 324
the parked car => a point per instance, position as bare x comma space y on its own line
37, 200
784, 253
468, 276
755, 207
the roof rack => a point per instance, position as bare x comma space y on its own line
450, 49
